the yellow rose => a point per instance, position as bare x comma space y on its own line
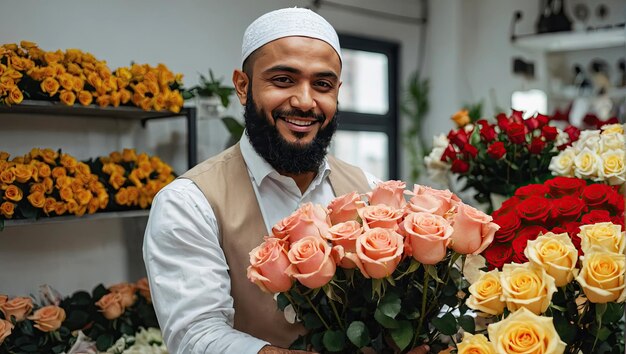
60, 208
103, 100
67, 97
50, 86
48, 318
485, 294
28, 44
66, 80
145, 103
37, 187
602, 276
66, 194
72, 206
116, 157
475, 344
135, 178
525, 332
68, 162
4, 155
59, 172
554, 253
49, 205
606, 235
614, 166
43, 170
49, 156
587, 164
7, 209
78, 84
125, 96
83, 169
63, 182
74, 69
133, 195
83, 197
129, 155
48, 185
15, 96
22, 173
103, 199
115, 98
37, 199
94, 205
613, 128
144, 201
88, 58
7, 176
80, 210
117, 180
53, 57
159, 101
13, 193
85, 98
526, 285
121, 197
461, 118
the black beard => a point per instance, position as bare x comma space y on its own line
286, 157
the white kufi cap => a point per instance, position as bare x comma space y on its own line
287, 22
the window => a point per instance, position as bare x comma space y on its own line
368, 106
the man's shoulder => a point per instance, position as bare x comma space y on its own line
222, 159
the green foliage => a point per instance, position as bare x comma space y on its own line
211, 87
415, 106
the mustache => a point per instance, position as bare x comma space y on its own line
278, 113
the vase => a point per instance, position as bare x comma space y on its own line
209, 107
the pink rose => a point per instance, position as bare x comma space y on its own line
268, 263
343, 237
447, 199
19, 307
111, 306
380, 216
379, 250
308, 220
48, 318
5, 329
428, 236
473, 230
311, 262
344, 208
426, 203
390, 193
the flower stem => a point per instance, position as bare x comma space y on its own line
332, 304
319, 315
423, 310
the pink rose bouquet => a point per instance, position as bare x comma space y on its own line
379, 270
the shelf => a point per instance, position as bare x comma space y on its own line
570, 41
71, 218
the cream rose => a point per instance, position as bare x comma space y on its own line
5, 329
614, 166
48, 318
612, 140
384, 216
473, 230
554, 253
18, 307
111, 305
475, 344
390, 193
606, 235
268, 265
379, 250
587, 163
485, 294
428, 236
526, 285
311, 262
344, 208
525, 332
602, 276
563, 163
308, 220
127, 291
589, 139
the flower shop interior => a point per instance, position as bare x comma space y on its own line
416, 65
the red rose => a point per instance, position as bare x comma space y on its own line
534, 209
458, 137
459, 166
508, 206
449, 153
497, 254
561, 186
597, 195
519, 243
617, 202
503, 122
488, 133
470, 151
536, 145
558, 230
516, 133
530, 190
595, 216
517, 116
509, 223
573, 229
618, 220
496, 150
550, 133
531, 123
573, 133
568, 208
543, 120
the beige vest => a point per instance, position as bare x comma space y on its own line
225, 182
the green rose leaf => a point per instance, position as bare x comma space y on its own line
467, 323
403, 334
613, 312
334, 341
311, 321
390, 305
384, 320
445, 324
104, 342
358, 334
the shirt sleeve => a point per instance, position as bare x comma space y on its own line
188, 275
371, 179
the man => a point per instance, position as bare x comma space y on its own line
202, 226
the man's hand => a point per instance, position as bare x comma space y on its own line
423, 349
268, 349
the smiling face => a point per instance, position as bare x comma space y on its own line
295, 84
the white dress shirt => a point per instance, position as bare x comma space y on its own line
187, 269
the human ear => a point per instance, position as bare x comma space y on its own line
241, 82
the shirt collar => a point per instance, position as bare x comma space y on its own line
259, 168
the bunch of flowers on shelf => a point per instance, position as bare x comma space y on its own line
45, 182
374, 271
598, 155
563, 299
497, 158
80, 323
559, 205
71, 75
132, 179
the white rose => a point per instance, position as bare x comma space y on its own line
587, 164
440, 141
614, 166
613, 128
561, 138
563, 163
612, 141
589, 139
605, 235
437, 169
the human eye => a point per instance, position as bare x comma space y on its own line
282, 81
324, 85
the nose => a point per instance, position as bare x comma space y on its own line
303, 99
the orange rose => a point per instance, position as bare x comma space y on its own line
432, 200
58, 172
37, 187
473, 230
311, 262
37, 199
125, 96
345, 234
5, 329
379, 250
85, 98
22, 173
129, 155
66, 80
380, 216
50, 86
133, 195
48, 318
49, 156
308, 220
7, 176
7, 209
429, 236
15, 96
48, 185
268, 265
68, 162
78, 84
111, 306
43, 170
13, 193
103, 100
49, 206
67, 97
390, 193
121, 197
4, 155
461, 118
344, 208
83, 197
144, 289
127, 291
93, 206
66, 194
18, 307
60, 208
